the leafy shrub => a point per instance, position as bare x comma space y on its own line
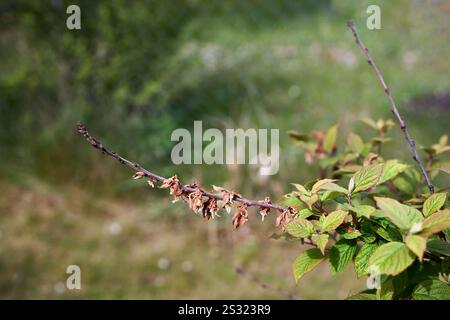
375, 212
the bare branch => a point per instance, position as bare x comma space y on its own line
138, 168
394, 109
265, 285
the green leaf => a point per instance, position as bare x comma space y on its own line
434, 203
362, 258
309, 200
305, 213
341, 254
355, 143
368, 237
407, 181
441, 149
367, 177
370, 122
368, 230
350, 234
439, 247
391, 169
328, 161
401, 215
334, 187
321, 240
291, 201
443, 166
329, 195
416, 244
333, 220
329, 142
363, 210
380, 140
435, 223
300, 188
305, 262
300, 228
431, 290
362, 296
321, 184
388, 233
386, 292
443, 140
392, 258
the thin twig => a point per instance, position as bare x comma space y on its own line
266, 286
138, 168
394, 109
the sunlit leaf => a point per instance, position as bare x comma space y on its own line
305, 213
367, 177
435, 223
305, 262
321, 184
334, 187
300, 188
329, 142
355, 143
391, 169
300, 228
431, 290
401, 215
321, 240
392, 258
434, 203
416, 244
370, 122
333, 220
362, 296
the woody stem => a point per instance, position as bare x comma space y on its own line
138, 168
394, 109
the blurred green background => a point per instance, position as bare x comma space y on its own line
139, 69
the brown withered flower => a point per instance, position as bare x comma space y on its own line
240, 217
195, 200
174, 185
210, 208
285, 217
228, 197
264, 211
193, 185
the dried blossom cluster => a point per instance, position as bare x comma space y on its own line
174, 186
285, 217
209, 204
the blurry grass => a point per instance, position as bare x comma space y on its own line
141, 251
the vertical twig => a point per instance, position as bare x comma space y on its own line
394, 109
